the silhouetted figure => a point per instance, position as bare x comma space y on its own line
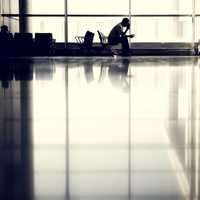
5, 31
118, 35
5, 40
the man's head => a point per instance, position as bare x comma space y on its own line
125, 22
4, 28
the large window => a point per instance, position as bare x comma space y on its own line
47, 6
98, 7
198, 28
152, 20
162, 29
12, 22
10, 6
79, 25
55, 25
197, 5
162, 7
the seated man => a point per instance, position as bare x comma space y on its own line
117, 35
4, 31
5, 40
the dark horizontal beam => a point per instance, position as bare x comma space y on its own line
96, 15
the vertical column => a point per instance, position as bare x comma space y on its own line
1, 10
10, 12
66, 21
1, 7
129, 13
23, 20
193, 22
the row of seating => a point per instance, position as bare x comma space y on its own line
141, 48
25, 44
87, 46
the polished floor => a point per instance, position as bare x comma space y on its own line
100, 128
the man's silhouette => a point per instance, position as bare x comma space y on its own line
5, 32
118, 35
5, 40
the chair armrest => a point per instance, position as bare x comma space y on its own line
79, 39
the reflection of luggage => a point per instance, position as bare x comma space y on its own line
88, 39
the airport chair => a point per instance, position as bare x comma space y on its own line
79, 39
44, 44
104, 44
85, 43
23, 44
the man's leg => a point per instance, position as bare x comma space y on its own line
125, 45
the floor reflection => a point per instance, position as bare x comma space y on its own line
100, 128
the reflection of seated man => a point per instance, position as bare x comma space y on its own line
117, 35
117, 73
88, 69
6, 73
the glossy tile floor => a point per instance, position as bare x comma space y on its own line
100, 128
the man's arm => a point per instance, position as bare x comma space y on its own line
131, 35
127, 28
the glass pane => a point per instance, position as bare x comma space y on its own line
162, 7
79, 25
98, 7
14, 6
12, 23
197, 28
162, 29
197, 4
10, 6
47, 6
48, 24
5, 6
